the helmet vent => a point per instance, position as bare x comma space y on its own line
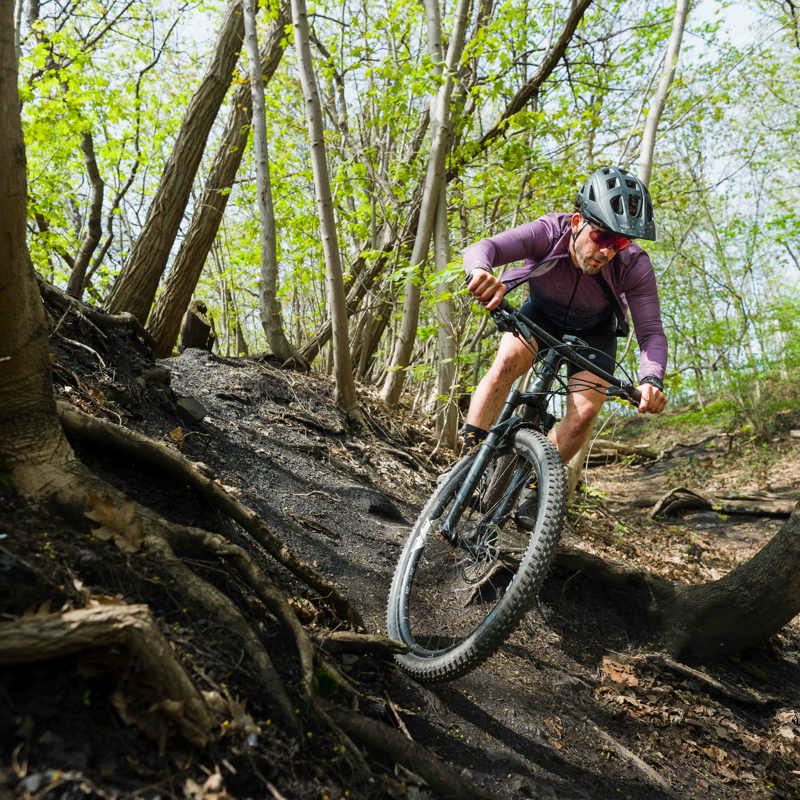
618, 201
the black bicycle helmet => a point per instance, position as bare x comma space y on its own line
619, 202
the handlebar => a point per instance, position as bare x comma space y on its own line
507, 318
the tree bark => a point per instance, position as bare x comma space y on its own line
136, 284
94, 226
337, 307
447, 389
165, 319
32, 444
711, 621
271, 315
660, 98
434, 179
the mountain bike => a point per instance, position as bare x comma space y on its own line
482, 545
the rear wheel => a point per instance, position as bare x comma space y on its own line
453, 605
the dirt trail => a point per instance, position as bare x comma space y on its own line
572, 706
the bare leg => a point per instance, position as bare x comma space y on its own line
583, 406
512, 360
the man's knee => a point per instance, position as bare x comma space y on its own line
580, 419
508, 366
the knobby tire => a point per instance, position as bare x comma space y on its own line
454, 605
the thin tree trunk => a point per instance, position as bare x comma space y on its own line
271, 316
447, 390
181, 282
434, 179
94, 226
136, 284
345, 385
660, 98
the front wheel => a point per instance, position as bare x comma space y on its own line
453, 603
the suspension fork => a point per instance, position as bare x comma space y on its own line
497, 437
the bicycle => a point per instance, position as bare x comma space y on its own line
473, 564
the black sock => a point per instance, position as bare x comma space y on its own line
472, 436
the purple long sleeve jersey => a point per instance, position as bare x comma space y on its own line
566, 295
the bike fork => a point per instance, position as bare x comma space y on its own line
500, 433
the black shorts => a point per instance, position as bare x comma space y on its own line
601, 341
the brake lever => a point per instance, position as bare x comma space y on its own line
626, 391
503, 320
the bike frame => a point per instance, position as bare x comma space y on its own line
534, 398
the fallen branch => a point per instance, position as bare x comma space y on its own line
683, 499
747, 696
627, 755
361, 643
604, 451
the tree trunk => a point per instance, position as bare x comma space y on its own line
32, 444
434, 179
271, 316
165, 320
660, 97
744, 608
345, 385
94, 225
136, 284
447, 389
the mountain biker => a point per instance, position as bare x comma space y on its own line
584, 273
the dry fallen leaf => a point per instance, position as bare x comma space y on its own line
176, 436
118, 523
618, 672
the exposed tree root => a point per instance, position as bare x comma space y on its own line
628, 756
178, 703
224, 610
615, 575
182, 538
134, 445
134, 528
170, 698
385, 741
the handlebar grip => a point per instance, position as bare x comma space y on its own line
505, 306
626, 392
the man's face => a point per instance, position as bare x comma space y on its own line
591, 248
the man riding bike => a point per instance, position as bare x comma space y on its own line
585, 273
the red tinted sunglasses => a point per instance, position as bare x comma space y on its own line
606, 239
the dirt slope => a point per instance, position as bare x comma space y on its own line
575, 705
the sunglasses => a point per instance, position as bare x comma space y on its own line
606, 239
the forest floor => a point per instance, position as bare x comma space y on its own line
578, 704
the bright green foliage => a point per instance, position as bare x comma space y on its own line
725, 180
98, 73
